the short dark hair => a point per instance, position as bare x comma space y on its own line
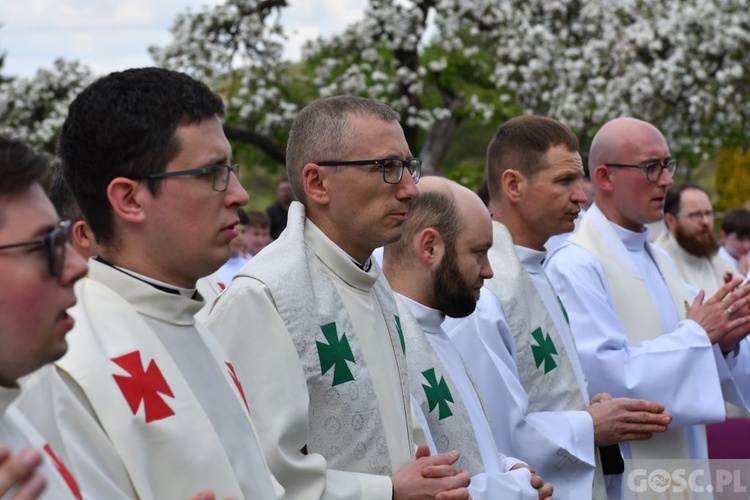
256, 218
674, 194
737, 221
124, 125
62, 198
483, 191
432, 208
321, 132
585, 161
521, 143
20, 168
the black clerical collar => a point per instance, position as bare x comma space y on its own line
366, 266
158, 286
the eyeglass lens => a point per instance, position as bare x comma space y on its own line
220, 177
393, 170
654, 170
57, 241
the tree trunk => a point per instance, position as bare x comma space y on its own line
436, 144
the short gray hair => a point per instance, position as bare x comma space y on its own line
321, 132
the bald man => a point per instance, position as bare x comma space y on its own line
520, 333
437, 268
638, 331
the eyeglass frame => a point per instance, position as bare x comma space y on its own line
48, 241
646, 166
696, 215
211, 170
415, 175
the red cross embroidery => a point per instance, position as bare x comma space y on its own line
237, 382
143, 386
64, 472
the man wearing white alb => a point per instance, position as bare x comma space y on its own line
638, 331
437, 268
520, 334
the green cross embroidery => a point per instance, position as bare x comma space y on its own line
437, 394
565, 313
544, 351
336, 353
400, 333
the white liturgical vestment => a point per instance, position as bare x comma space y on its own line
704, 273
555, 436
315, 341
626, 305
441, 407
17, 433
146, 396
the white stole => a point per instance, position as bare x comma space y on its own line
346, 426
448, 419
636, 310
551, 385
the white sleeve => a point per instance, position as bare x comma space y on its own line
513, 485
558, 445
734, 372
677, 369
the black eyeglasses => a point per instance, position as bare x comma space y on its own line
54, 243
219, 175
653, 170
393, 168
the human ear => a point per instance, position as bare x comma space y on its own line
512, 182
315, 183
126, 198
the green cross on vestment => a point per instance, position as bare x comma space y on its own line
544, 351
335, 354
437, 394
400, 333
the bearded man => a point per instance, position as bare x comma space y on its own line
690, 239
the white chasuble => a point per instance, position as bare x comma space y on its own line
345, 418
17, 433
165, 438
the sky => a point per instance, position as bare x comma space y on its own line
111, 35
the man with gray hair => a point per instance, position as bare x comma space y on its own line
312, 324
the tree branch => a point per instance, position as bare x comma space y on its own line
266, 144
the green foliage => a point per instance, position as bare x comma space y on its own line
732, 178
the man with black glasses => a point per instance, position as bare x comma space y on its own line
638, 330
38, 269
312, 324
145, 403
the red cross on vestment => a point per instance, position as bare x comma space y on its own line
143, 386
64, 472
237, 382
